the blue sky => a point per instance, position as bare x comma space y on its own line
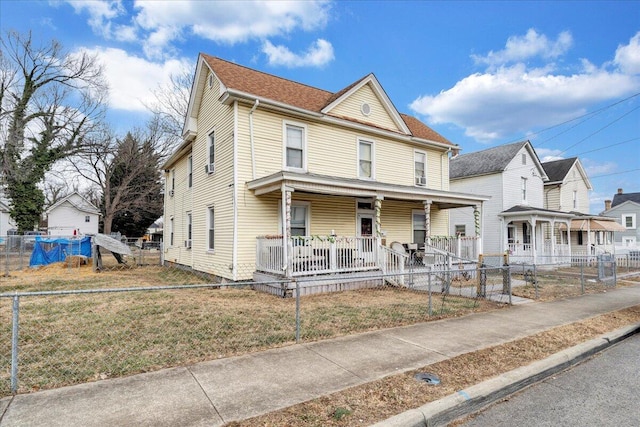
565, 75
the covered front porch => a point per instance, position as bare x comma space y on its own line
391, 226
531, 235
593, 235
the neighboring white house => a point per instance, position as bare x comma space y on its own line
6, 223
514, 220
625, 209
73, 215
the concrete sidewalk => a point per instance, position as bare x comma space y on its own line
220, 391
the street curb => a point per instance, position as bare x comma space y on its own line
465, 402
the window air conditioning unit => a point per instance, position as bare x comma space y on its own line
421, 181
210, 168
187, 244
171, 193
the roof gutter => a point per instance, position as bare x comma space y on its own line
233, 94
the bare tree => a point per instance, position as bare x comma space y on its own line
49, 99
125, 176
170, 107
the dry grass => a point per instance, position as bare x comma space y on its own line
379, 400
71, 339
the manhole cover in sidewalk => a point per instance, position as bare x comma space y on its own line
427, 378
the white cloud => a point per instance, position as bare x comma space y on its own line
519, 48
549, 154
131, 79
628, 57
318, 54
594, 168
516, 98
100, 12
224, 22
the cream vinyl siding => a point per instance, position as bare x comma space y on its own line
574, 182
177, 206
397, 216
352, 107
212, 190
331, 150
552, 197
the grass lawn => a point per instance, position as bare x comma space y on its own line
70, 339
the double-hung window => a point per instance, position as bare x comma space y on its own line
420, 168
294, 147
211, 153
365, 160
299, 220
211, 229
629, 221
419, 227
524, 190
190, 171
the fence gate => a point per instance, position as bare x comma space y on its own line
606, 268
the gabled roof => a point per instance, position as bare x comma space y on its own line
625, 197
557, 171
256, 85
491, 160
78, 202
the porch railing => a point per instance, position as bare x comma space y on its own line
464, 247
316, 254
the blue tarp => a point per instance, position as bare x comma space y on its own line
60, 249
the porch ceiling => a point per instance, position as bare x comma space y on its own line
330, 185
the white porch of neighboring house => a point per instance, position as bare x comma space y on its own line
593, 235
530, 235
337, 256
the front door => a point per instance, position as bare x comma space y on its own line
365, 246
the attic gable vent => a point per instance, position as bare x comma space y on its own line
366, 109
210, 80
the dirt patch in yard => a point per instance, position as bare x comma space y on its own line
379, 400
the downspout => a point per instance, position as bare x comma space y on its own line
234, 252
253, 156
442, 177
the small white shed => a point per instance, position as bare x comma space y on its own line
73, 215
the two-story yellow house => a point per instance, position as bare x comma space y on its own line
275, 178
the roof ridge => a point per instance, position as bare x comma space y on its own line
264, 73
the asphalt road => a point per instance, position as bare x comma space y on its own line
603, 391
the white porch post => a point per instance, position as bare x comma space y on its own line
533, 239
553, 239
569, 238
589, 238
287, 248
427, 222
378, 231
478, 230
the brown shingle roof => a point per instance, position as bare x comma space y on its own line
268, 86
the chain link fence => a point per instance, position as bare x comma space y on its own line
69, 326
65, 323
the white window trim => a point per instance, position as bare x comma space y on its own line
211, 167
633, 221
414, 168
285, 124
172, 235
307, 219
189, 230
523, 189
190, 171
373, 158
575, 199
209, 210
